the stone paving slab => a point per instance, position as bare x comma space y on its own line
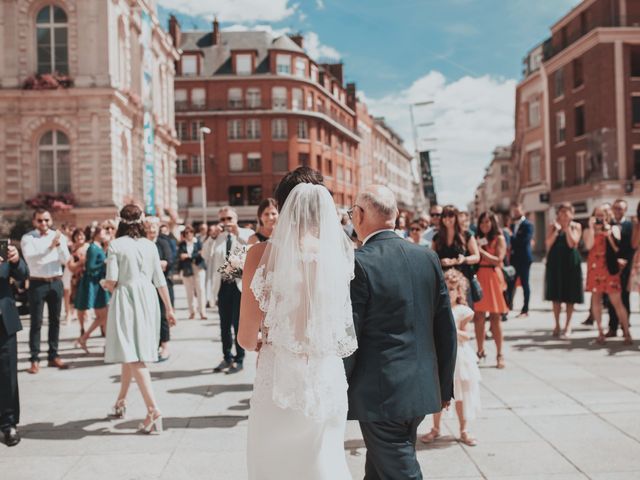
561, 410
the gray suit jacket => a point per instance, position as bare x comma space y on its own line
407, 340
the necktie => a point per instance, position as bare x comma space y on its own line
228, 244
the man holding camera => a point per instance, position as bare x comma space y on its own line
223, 239
45, 251
10, 267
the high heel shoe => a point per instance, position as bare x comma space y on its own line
81, 343
500, 362
152, 424
119, 409
481, 356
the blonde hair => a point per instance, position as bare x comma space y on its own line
457, 282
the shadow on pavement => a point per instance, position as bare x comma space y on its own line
77, 430
546, 341
170, 374
213, 390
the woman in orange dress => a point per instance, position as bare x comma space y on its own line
598, 237
493, 247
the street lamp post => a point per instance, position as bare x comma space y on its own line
203, 131
414, 131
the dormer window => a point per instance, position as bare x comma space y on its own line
189, 65
244, 64
283, 64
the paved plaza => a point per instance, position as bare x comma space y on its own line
561, 410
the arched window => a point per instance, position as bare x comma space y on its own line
54, 163
52, 40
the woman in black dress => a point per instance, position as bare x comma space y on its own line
563, 276
456, 249
267, 219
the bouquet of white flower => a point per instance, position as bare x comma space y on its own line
233, 266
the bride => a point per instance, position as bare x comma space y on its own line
297, 313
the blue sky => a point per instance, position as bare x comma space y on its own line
464, 54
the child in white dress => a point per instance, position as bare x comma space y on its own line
466, 387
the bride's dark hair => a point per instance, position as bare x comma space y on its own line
291, 179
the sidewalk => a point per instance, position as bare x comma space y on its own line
561, 410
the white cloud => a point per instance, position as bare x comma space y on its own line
235, 10
471, 117
320, 4
317, 50
274, 32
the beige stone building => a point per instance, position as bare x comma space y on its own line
496, 191
107, 71
392, 164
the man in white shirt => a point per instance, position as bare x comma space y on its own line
435, 212
45, 250
223, 239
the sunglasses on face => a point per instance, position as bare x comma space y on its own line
226, 219
43, 220
435, 214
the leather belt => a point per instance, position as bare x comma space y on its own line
46, 279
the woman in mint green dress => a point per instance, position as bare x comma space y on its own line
91, 296
134, 274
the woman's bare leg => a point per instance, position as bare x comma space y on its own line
478, 323
557, 307
621, 311
567, 325
596, 310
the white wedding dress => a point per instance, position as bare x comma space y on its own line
299, 405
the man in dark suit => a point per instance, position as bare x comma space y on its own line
11, 267
403, 368
625, 255
521, 257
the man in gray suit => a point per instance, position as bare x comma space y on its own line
403, 368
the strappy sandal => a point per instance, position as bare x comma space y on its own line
627, 340
431, 436
500, 362
601, 339
468, 439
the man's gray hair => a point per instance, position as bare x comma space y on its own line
228, 208
381, 200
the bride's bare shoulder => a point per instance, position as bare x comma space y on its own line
254, 255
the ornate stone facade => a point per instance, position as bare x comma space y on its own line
98, 156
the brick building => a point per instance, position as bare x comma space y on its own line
270, 108
592, 66
531, 149
86, 137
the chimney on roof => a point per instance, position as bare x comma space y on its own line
335, 69
174, 31
216, 32
351, 95
298, 39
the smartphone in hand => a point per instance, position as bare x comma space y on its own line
4, 248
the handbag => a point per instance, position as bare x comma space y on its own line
509, 272
476, 289
613, 267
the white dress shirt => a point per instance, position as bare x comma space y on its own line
44, 261
516, 225
377, 232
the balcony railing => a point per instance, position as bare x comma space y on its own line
550, 50
224, 106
